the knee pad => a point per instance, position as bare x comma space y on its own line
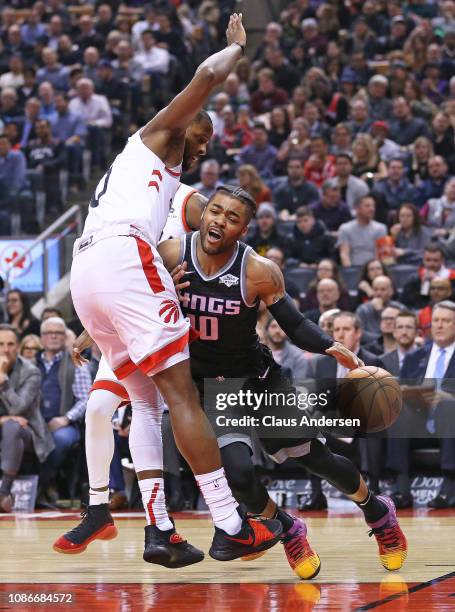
101, 405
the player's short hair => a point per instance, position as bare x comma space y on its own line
202, 116
236, 192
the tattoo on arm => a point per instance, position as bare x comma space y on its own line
278, 284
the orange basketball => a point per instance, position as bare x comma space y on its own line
371, 395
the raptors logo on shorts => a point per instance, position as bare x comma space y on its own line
169, 310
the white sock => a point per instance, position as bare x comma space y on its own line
98, 497
147, 453
99, 442
219, 499
154, 501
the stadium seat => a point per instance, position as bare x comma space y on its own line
351, 276
401, 274
301, 277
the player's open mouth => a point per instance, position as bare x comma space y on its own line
214, 235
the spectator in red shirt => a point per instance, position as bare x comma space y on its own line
320, 165
233, 135
268, 95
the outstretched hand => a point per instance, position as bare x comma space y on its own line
344, 356
235, 32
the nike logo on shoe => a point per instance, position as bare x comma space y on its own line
247, 542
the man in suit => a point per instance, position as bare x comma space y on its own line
22, 428
405, 332
426, 376
348, 330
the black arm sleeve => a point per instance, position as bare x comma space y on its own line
301, 331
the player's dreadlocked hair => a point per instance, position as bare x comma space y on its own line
239, 194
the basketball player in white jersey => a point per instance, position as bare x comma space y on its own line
108, 394
127, 302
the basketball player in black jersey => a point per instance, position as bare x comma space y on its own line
227, 280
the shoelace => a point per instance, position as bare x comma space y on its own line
388, 536
87, 519
295, 549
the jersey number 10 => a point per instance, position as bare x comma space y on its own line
206, 326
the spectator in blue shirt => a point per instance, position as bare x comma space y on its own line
71, 130
32, 112
433, 186
392, 191
404, 128
52, 71
13, 168
33, 30
46, 96
259, 153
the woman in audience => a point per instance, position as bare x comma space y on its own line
280, 126
422, 150
369, 272
250, 180
410, 236
19, 314
30, 346
296, 145
366, 159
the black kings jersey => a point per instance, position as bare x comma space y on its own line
228, 344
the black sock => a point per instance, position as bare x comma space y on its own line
284, 518
372, 507
7, 481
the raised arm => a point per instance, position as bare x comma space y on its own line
175, 118
265, 281
194, 209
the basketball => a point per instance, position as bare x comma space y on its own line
371, 395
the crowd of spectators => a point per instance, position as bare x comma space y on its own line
76, 78
340, 123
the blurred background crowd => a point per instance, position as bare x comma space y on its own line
340, 123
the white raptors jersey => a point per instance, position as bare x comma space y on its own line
137, 189
176, 224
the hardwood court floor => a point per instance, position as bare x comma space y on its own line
111, 576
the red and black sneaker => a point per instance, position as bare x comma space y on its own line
255, 535
168, 548
97, 524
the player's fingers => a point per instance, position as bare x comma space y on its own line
360, 363
176, 269
181, 286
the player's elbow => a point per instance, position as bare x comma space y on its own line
206, 75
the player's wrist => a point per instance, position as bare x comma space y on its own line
242, 47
